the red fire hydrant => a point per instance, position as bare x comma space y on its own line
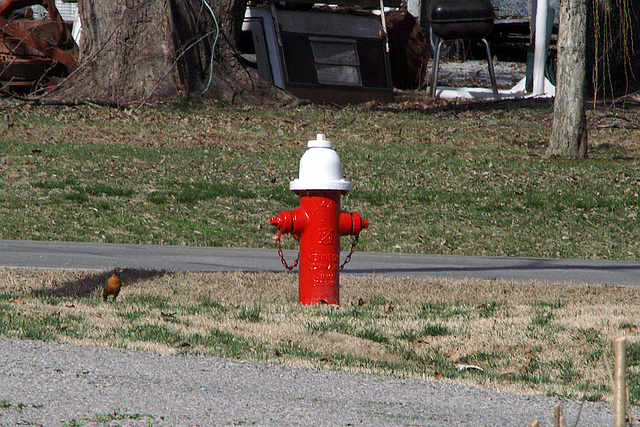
318, 223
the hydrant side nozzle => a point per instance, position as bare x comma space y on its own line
359, 223
283, 222
293, 221
351, 223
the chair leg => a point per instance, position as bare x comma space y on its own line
492, 73
434, 72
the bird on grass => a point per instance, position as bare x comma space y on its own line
113, 285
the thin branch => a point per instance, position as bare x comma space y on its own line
616, 126
74, 103
633, 97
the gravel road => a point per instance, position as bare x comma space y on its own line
55, 384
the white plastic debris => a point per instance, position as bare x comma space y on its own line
469, 368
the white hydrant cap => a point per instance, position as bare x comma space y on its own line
320, 168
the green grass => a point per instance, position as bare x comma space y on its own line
633, 354
634, 387
152, 302
564, 370
590, 335
333, 325
429, 330
132, 315
373, 334
482, 357
252, 314
466, 181
149, 333
225, 344
35, 326
440, 310
112, 418
119, 416
542, 317
489, 309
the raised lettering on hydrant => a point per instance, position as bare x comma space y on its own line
318, 222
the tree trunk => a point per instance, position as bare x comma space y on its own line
135, 51
569, 130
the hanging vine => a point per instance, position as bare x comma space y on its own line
613, 37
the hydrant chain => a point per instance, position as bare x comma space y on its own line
353, 249
281, 254
295, 263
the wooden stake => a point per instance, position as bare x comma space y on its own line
620, 382
558, 416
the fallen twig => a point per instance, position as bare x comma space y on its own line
633, 97
627, 123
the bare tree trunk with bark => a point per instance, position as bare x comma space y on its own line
138, 51
569, 130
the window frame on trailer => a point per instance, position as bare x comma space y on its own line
322, 61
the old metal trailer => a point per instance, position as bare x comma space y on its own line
323, 54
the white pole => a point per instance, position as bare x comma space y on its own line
540, 52
413, 6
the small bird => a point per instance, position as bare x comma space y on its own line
113, 285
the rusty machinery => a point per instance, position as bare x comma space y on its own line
33, 52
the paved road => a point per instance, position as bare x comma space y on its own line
98, 256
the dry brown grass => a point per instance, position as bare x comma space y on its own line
529, 337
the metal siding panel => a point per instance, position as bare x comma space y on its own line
329, 24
